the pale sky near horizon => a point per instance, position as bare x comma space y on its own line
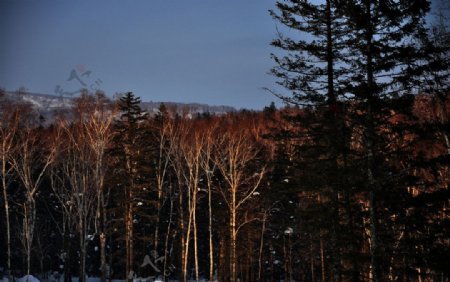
205, 51
214, 52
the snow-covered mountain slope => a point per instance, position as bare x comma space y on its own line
47, 105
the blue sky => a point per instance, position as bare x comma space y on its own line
206, 51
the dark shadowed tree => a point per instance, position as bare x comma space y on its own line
129, 154
311, 69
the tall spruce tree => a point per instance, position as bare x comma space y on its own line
311, 69
130, 156
378, 64
384, 53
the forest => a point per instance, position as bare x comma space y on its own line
348, 181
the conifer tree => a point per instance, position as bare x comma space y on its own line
378, 64
130, 129
382, 61
312, 70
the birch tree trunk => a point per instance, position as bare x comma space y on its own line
261, 246
30, 163
166, 242
8, 127
236, 151
209, 168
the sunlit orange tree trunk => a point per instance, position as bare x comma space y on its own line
35, 152
9, 122
237, 160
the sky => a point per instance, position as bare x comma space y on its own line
206, 51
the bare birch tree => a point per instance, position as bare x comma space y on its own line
67, 227
78, 173
164, 129
35, 153
8, 128
98, 129
209, 167
186, 162
236, 153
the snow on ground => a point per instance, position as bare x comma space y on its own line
31, 278
60, 278
28, 278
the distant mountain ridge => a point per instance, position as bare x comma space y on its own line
46, 105
187, 108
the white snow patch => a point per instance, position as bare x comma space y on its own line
32, 101
28, 278
288, 231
